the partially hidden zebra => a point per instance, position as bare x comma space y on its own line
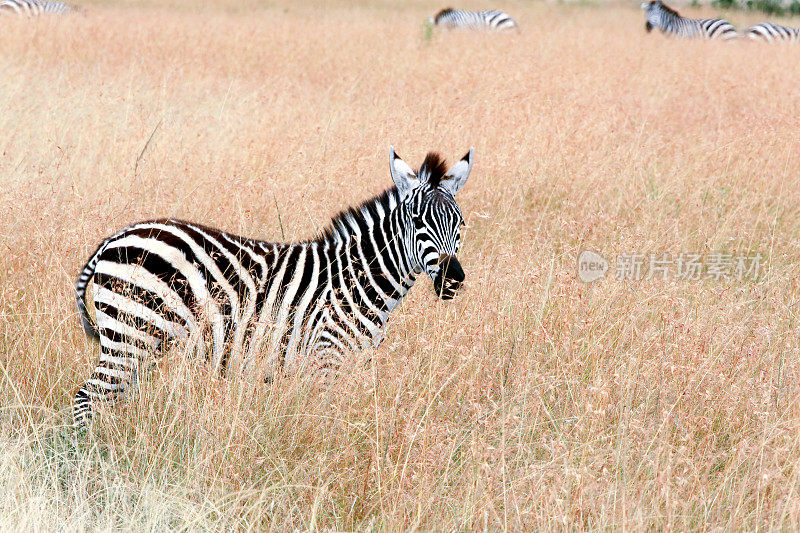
769, 32
474, 20
671, 23
259, 308
34, 8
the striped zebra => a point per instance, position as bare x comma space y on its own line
474, 20
34, 8
253, 307
768, 32
671, 23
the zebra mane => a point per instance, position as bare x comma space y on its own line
442, 13
668, 9
339, 223
432, 171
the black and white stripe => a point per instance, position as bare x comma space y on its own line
671, 23
474, 20
34, 8
769, 32
256, 307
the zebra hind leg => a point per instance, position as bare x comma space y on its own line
110, 381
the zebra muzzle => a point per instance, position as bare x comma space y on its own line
450, 278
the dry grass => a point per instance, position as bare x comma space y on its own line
532, 400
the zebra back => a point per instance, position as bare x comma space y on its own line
769, 32
34, 8
459, 18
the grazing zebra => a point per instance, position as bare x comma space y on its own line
249, 306
474, 20
768, 32
671, 23
34, 8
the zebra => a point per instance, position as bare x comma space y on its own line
671, 23
34, 8
474, 20
768, 32
255, 307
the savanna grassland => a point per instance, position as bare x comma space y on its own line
532, 400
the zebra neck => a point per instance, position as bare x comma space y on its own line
368, 244
668, 18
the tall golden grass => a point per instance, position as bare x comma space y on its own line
532, 400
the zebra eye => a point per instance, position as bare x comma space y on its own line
418, 223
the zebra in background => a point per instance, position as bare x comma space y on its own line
671, 23
34, 8
474, 20
769, 32
249, 306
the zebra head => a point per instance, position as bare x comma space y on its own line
656, 11
431, 217
438, 16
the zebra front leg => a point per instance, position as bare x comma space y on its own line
110, 381
324, 365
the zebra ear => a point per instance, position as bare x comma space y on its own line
404, 178
457, 176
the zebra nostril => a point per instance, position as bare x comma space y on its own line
451, 269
